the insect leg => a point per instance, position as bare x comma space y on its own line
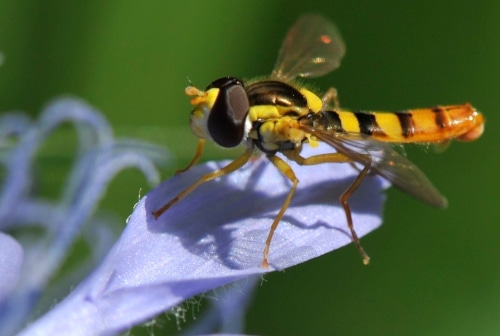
234, 165
286, 170
330, 95
344, 198
197, 155
317, 159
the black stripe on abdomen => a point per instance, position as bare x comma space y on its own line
368, 124
324, 121
441, 118
406, 123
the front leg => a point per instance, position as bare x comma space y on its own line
196, 158
231, 167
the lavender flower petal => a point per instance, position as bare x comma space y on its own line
213, 237
100, 158
18, 179
227, 312
11, 261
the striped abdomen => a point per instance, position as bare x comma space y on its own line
438, 124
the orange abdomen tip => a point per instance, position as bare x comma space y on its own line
476, 129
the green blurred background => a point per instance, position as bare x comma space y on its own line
433, 272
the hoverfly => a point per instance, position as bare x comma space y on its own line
279, 115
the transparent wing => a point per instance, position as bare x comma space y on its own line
312, 47
386, 161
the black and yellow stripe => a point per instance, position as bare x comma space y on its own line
436, 124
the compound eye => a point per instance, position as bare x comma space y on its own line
226, 123
224, 82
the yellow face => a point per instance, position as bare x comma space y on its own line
220, 112
203, 102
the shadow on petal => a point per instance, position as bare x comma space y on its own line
228, 219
